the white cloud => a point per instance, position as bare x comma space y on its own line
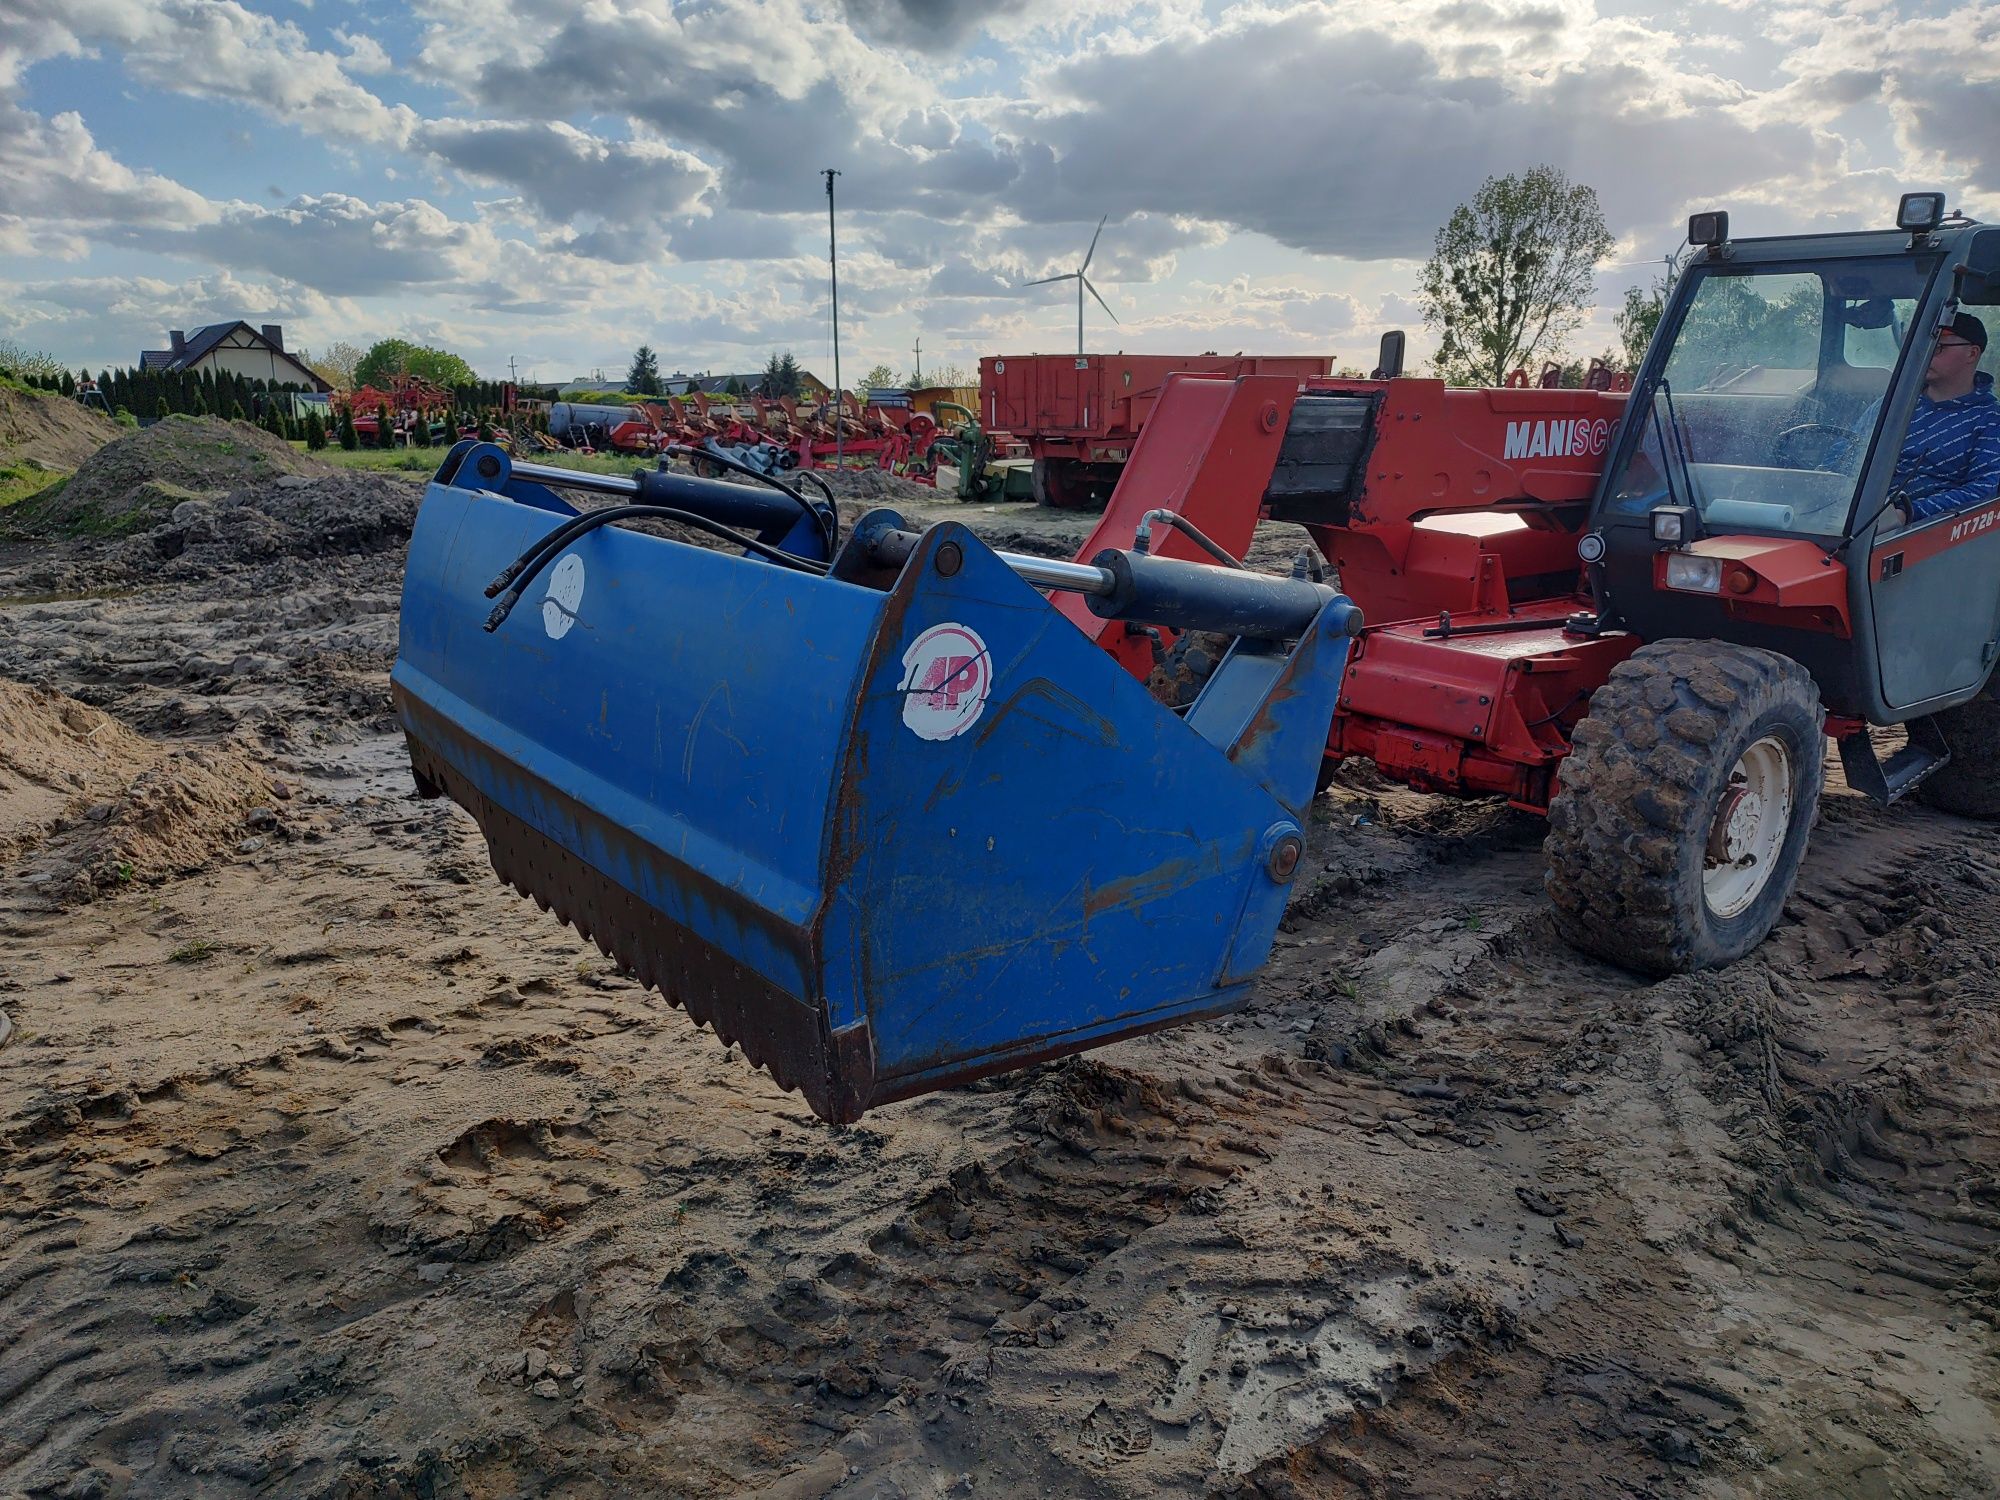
114, 317
364, 53
57, 187
567, 174
213, 49
612, 169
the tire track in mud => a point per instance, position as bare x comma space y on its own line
270, 1230
1826, 1115
1449, 1210
1570, 1148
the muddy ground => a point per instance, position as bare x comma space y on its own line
330, 1167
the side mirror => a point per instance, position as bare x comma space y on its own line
1389, 362
1975, 281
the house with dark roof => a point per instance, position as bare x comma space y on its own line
239, 349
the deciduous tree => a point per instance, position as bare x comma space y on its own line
334, 364
1512, 274
388, 358
1641, 315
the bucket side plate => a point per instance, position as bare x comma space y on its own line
648, 754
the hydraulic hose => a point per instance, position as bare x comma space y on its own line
525, 568
829, 525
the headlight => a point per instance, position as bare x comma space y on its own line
1670, 524
1699, 575
1919, 212
1708, 229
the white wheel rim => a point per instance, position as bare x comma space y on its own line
1749, 827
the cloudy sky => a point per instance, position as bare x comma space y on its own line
556, 181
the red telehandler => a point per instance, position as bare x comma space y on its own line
1638, 614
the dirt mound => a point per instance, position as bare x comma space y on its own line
875, 484
57, 757
338, 514
49, 430
129, 484
91, 805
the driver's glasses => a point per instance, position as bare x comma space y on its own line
1943, 344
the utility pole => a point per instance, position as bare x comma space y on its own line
917, 379
833, 265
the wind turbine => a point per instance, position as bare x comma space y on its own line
1082, 285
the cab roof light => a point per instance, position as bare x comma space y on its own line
1711, 228
1920, 213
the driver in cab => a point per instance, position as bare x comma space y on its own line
1951, 453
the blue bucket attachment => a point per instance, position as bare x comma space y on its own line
886, 840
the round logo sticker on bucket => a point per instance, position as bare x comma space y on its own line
947, 675
565, 594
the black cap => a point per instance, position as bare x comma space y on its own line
1969, 328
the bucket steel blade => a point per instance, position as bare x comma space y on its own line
886, 841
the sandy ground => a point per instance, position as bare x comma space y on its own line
330, 1167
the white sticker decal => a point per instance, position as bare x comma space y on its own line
947, 674
564, 596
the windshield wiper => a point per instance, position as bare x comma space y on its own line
1680, 445
1674, 492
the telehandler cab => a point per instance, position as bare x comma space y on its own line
876, 808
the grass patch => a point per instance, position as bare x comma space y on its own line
198, 951
426, 460
25, 480
393, 460
43, 517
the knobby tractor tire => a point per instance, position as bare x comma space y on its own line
1071, 484
1682, 812
1969, 783
1060, 482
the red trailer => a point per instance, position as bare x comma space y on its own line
1080, 414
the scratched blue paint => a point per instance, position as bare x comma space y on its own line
1077, 863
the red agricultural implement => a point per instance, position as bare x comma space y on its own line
770, 434
1080, 414
408, 400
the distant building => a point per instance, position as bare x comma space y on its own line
810, 385
583, 385
238, 349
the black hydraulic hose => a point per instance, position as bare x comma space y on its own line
1193, 533
558, 539
542, 553
825, 489
829, 526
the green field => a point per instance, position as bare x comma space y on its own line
426, 460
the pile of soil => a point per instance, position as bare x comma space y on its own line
91, 805
295, 519
341, 513
49, 430
128, 484
875, 484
